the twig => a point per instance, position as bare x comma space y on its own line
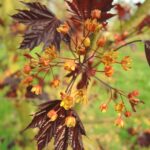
127, 44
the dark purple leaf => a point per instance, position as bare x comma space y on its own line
147, 51
40, 117
42, 25
63, 136
81, 9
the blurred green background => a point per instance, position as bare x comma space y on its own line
102, 134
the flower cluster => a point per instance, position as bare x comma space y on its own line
121, 108
85, 61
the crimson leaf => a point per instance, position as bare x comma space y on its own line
42, 24
81, 9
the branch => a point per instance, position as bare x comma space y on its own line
127, 44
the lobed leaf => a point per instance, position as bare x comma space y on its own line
63, 136
42, 25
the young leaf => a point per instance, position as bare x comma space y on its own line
81, 9
42, 24
147, 51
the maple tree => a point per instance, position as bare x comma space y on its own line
90, 58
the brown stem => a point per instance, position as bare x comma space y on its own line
70, 85
127, 44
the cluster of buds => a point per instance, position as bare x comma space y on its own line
110, 58
42, 64
121, 109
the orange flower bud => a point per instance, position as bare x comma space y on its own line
37, 89
81, 50
101, 42
127, 114
67, 101
134, 93
119, 107
126, 63
87, 42
28, 80
55, 83
109, 58
27, 69
70, 65
132, 97
119, 122
44, 61
125, 34
81, 96
63, 28
96, 14
92, 25
52, 114
109, 71
70, 122
103, 107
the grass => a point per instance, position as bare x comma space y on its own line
99, 126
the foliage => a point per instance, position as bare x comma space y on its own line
89, 59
